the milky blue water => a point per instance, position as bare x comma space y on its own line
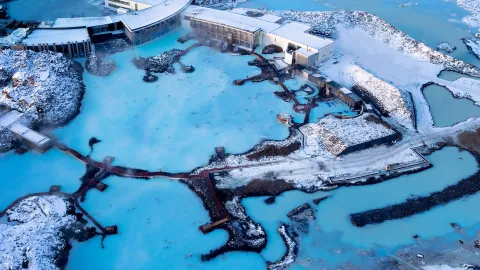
52, 9
158, 222
333, 240
335, 106
452, 76
32, 173
447, 110
175, 123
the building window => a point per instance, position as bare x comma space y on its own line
121, 2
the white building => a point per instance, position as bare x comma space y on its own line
299, 45
238, 28
130, 4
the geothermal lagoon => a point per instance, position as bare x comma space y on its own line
175, 124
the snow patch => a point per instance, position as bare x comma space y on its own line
36, 236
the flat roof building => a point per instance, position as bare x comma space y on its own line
31, 138
232, 28
74, 42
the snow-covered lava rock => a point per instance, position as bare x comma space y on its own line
447, 47
389, 99
162, 63
337, 135
47, 87
99, 66
473, 45
472, 6
36, 234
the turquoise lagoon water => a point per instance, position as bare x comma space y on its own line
447, 110
158, 229
333, 240
335, 106
430, 22
52, 9
32, 173
175, 123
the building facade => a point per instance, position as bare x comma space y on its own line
230, 35
153, 31
127, 4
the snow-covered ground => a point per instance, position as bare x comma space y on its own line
472, 6
447, 47
397, 103
15, 37
473, 45
47, 87
364, 40
337, 135
33, 236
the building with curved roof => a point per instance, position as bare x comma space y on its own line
148, 24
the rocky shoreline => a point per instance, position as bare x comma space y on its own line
99, 66
47, 87
466, 187
38, 232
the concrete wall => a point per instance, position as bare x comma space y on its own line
326, 53
369, 144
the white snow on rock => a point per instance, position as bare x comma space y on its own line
220, 4
47, 87
336, 135
472, 6
447, 47
15, 37
289, 256
99, 66
395, 102
473, 45
34, 235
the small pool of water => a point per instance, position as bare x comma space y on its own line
334, 240
453, 76
447, 110
335, 106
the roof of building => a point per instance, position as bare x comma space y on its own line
163, 10
29, 134
149, 2
9, 118
230, 19
81, 22
257, 15
304, 51
345, 91
296, 32
57, 36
